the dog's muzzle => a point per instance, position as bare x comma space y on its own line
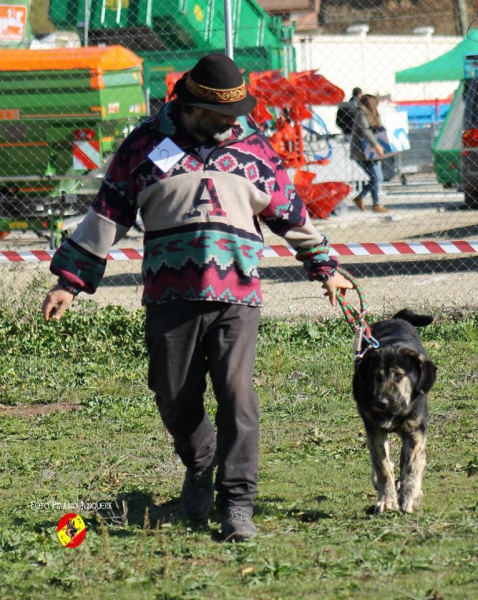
388, 405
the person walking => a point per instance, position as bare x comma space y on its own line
366, 124
357, 93
346, 112
202, 176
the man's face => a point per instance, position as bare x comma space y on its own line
213, 125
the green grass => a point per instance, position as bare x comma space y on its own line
317, 538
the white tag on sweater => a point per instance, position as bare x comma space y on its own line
166, 155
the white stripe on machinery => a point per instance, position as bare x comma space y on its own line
90, 151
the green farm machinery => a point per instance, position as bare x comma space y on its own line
171, 35
64, 111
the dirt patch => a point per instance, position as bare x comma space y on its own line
29, 410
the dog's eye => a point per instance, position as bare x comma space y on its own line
398, 376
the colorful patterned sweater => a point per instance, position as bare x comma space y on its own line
202, 235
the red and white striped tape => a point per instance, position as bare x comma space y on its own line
354, 249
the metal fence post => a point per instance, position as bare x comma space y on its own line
228, 29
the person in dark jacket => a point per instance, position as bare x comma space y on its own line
366, 123
355, 98
203, 177
346, 112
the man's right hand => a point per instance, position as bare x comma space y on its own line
379, 150
56, 302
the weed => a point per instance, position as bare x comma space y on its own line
317, 539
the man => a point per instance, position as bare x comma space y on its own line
201, 175
346, 112
355, 98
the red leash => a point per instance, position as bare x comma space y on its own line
356, 319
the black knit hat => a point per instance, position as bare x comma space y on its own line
216, 83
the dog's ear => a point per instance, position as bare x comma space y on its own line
426, 371
427, 377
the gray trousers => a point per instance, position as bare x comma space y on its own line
185, 341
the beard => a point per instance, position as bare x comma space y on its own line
213, 130
222, 137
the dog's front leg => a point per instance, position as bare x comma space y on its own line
382, 471
412, 467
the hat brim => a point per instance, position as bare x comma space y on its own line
231, 109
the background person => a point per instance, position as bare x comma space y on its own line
366, 124
355, 98
346, 112
201, 175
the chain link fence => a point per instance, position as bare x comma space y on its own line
78, 76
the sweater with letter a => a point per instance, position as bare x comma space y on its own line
201, 216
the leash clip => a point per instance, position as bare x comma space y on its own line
373, 343
356, 319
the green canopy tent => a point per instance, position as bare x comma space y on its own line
447, 67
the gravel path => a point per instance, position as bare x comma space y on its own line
419, 211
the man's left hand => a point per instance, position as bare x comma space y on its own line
337, 282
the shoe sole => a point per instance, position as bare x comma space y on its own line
234, 537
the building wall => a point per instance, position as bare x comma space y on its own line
370, 62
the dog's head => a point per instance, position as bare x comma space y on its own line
395, 376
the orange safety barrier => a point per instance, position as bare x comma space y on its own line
171, 79
320, 199
291, 96
313, 88
260, 114
272, 89
287, 142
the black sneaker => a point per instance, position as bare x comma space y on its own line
198, 493
236, 524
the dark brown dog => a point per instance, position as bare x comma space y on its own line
391, 385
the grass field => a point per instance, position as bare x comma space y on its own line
317, 536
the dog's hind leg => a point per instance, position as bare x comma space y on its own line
412, 467
382, 471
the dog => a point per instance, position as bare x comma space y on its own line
390, 386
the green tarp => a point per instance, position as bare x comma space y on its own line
448, 67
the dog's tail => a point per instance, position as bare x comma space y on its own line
414, 319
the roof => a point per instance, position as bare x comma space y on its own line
305, 22
289, 6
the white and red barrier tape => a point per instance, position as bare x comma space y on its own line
355, 249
